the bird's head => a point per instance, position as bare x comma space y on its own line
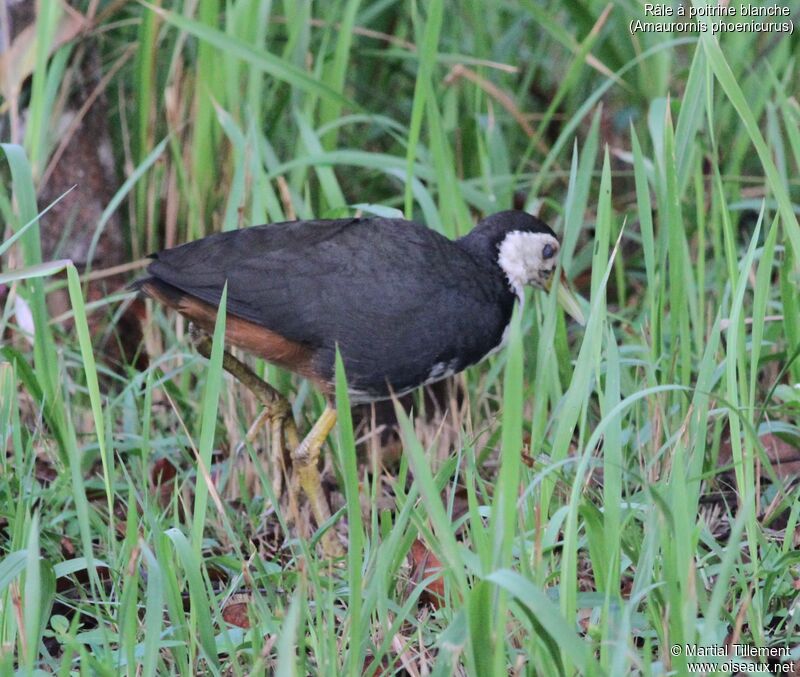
527, 252
529, 257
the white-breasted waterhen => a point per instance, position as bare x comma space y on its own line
405, 305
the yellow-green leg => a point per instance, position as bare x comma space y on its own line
305, 463
304, 455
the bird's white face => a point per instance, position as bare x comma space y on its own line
528, 258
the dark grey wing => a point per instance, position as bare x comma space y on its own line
262, 266
304, 279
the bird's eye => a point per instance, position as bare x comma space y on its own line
548, 252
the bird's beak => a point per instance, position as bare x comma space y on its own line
567, 299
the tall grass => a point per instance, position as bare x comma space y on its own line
645, 516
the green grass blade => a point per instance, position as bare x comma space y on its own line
208, 425
504, 521
11, 566
504, 517
33, 222
428, 51
37, 126
287, 660
200, 602
336, 73
33, 595
90, 371
153, 614
690, 119
547, 615
346, 449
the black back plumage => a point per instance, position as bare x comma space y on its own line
400, 300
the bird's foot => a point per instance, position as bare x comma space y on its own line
305, 457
